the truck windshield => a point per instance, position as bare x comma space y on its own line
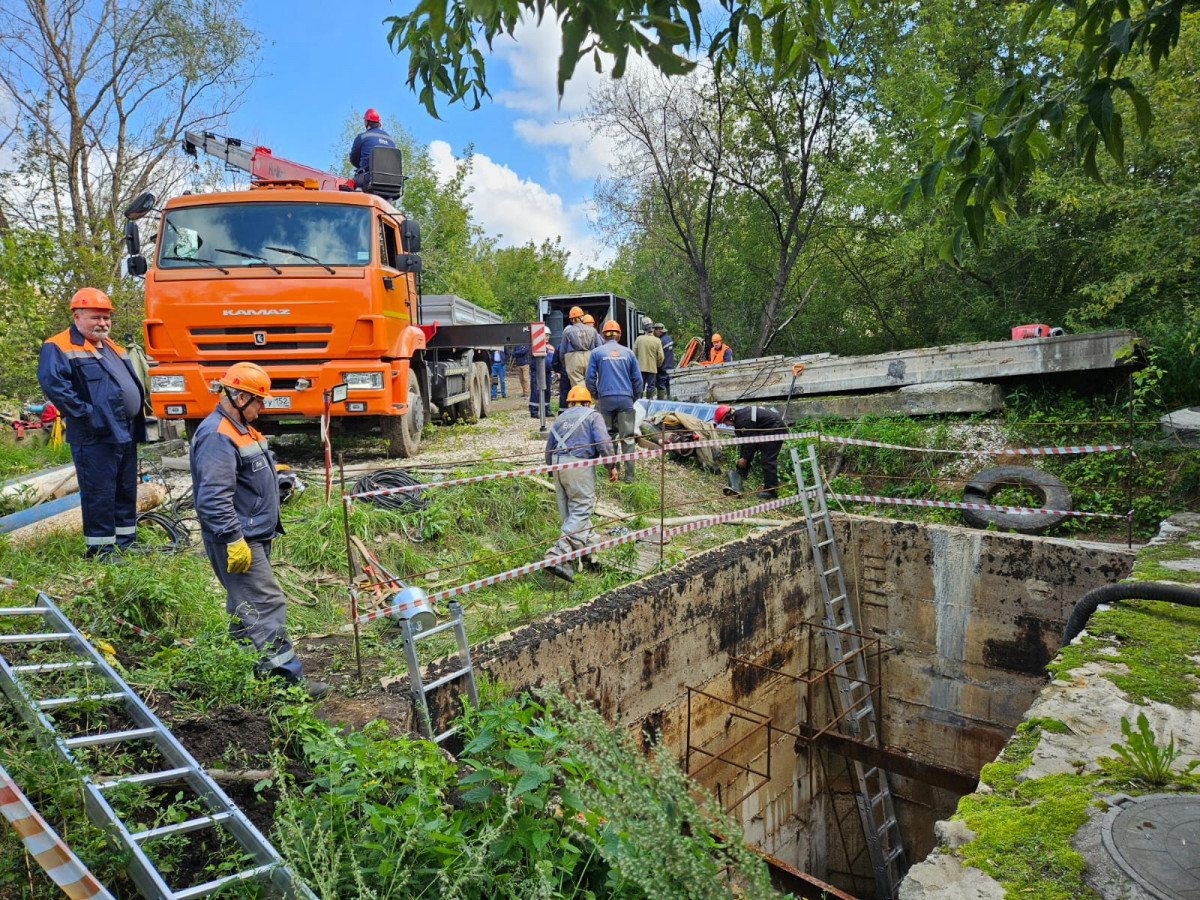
249, 234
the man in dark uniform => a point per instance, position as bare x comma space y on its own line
753, 421
668, 344
90, 380
364, 143
237, 503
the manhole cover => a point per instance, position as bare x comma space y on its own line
1156, 841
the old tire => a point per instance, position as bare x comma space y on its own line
1052, 494
403, 433
483, 378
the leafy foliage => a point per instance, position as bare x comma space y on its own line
1150, 761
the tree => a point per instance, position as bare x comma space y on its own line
101, 92
990, 144
519, 275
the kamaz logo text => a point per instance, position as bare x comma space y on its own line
256, 312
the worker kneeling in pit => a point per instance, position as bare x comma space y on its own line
237, 503
579, 432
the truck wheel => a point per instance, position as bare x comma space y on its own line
1051, 493
483, 378
403, 433
477, 388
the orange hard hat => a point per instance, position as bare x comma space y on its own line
371, 115
575, 313
91, 298
589, 319
609, 326
716, 338
579, 394
721, 413
249, 377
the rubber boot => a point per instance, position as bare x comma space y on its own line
629, 471
662, 394
735, 483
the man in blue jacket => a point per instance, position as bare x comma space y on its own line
614, 378
90, 380
364, 143
579, 432
237, 502
521, 358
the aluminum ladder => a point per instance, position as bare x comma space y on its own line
421, 690
856, 709
54, 629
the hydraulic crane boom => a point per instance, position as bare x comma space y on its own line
260, 162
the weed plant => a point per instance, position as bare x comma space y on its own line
1144, 758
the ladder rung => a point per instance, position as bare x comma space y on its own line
886, 826
110, 737
182, 827
432, 631
34, 638
56, 702
56, 667
211, 887
828, 572
896, 853
845, 626
433, 685
825, 543
21, 611
145, 778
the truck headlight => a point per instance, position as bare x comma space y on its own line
363, 381
167, 384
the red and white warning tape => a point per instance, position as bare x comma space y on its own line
950, 504
1023, 451
45, 846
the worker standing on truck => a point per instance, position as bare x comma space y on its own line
578, 340
360, 151
613, 377
719, 352
663, 381
91, 382
752, 421
649, 352
237, 503
579, 432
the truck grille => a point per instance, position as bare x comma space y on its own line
267, 338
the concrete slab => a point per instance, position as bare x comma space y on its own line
913, 400
1183, 425
771, 378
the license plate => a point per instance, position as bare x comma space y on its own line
277, 403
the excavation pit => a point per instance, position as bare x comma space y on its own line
723, 659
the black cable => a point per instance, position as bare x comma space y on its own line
178, 536
385, 479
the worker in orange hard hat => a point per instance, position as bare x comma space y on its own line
92, 382
614, 378
236, 491
578, 433
578, 340
720, 353
360, 151
749, 422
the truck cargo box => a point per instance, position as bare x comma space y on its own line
450, 309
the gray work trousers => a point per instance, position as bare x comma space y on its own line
576, 493
620, 425
258, 609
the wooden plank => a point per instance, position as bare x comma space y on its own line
989, 361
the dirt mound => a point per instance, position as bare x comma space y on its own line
210, 737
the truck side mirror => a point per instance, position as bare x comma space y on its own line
408, 262
142, 204
410, 234
136, 266
133, 239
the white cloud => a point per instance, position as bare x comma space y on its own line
517, 210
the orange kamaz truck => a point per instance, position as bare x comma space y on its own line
318, 283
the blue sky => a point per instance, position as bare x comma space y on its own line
535, 162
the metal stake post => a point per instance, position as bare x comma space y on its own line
350, 564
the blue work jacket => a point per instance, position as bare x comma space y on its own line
360, 150
233, 480
77, 380
613, 371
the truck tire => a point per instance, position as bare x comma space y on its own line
403, 433
1052, 494
477, 388
483, 377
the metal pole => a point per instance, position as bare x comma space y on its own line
350, 563
543, 392
662, 504
1129, 471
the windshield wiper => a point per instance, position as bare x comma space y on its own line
200, 262
290, 252
243, 255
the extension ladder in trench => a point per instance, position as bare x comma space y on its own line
856, 710
420, 690
49, 628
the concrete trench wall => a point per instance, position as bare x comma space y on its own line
969, 619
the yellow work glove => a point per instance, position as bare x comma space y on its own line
238, 554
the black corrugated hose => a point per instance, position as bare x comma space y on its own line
383, 479
1108, 593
